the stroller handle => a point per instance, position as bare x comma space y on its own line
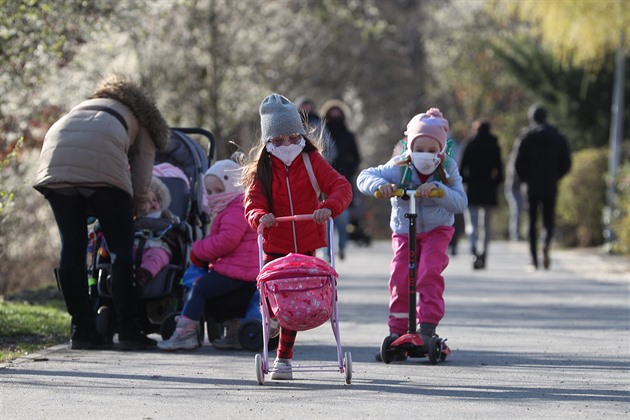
437, 193
295, 218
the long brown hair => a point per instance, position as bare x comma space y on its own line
258, 168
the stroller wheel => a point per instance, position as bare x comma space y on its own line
213, 328
105, 322
347, 361
260, 374
250, 335
167, 327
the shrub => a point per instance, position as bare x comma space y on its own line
621, 216
581, 199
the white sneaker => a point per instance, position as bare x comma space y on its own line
184, 337
282, 369
274, 328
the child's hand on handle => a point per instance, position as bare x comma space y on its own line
387, 190
424, 190
321, 215
268, 220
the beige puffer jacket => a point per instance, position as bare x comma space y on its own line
91, 148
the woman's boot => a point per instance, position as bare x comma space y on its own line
74, 288
124, 294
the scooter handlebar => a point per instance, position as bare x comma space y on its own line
436, 193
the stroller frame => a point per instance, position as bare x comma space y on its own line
344, 360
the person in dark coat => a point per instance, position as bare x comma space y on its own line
346, 161
543, 158
482, 172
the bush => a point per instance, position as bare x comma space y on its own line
581, 200
29, 241
621, 216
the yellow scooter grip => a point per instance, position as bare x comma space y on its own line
437, 193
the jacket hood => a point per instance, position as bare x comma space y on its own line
140, 103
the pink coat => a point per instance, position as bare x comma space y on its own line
231, 248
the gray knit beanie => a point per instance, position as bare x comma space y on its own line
279, 117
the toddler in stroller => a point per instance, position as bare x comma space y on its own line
180, 169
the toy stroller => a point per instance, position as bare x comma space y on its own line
411, 344
302, 293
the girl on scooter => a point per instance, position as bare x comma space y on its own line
423, 166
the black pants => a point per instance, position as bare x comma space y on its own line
114, 210
548, 203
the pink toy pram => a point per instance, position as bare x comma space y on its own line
302, 293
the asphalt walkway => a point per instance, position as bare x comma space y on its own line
547, 344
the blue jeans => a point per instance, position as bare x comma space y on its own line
210, 286
341, 228
473, 230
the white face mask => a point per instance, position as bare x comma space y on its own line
286, 154
425, 163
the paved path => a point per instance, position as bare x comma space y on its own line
548, 344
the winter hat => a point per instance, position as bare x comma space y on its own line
279, 117
162, 194
431, 124
229, 172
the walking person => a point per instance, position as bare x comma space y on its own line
346, 163
280, 181
482, 173
316, 128
97, 160
543, 158
429, 168
516, 196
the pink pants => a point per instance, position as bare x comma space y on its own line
154, 259
431, 261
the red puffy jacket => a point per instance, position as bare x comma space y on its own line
293, 193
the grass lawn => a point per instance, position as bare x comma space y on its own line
32, 320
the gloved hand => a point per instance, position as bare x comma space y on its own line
196, 261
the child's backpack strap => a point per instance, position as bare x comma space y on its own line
311, 175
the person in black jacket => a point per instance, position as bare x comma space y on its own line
347, 158
543, 158
482, 172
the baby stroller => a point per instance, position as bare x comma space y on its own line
359, 222
302, 293
163, 295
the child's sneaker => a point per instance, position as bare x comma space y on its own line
282, 369
184, 337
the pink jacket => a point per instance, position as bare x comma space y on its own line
231, 248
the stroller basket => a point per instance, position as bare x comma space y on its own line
300, 290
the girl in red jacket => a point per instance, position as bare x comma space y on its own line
278, 183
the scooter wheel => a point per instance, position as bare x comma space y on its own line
386, 357
435, 349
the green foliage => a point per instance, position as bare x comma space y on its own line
26, 328
582, 198
621, 215
578, 99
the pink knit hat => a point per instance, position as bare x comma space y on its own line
431, 124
